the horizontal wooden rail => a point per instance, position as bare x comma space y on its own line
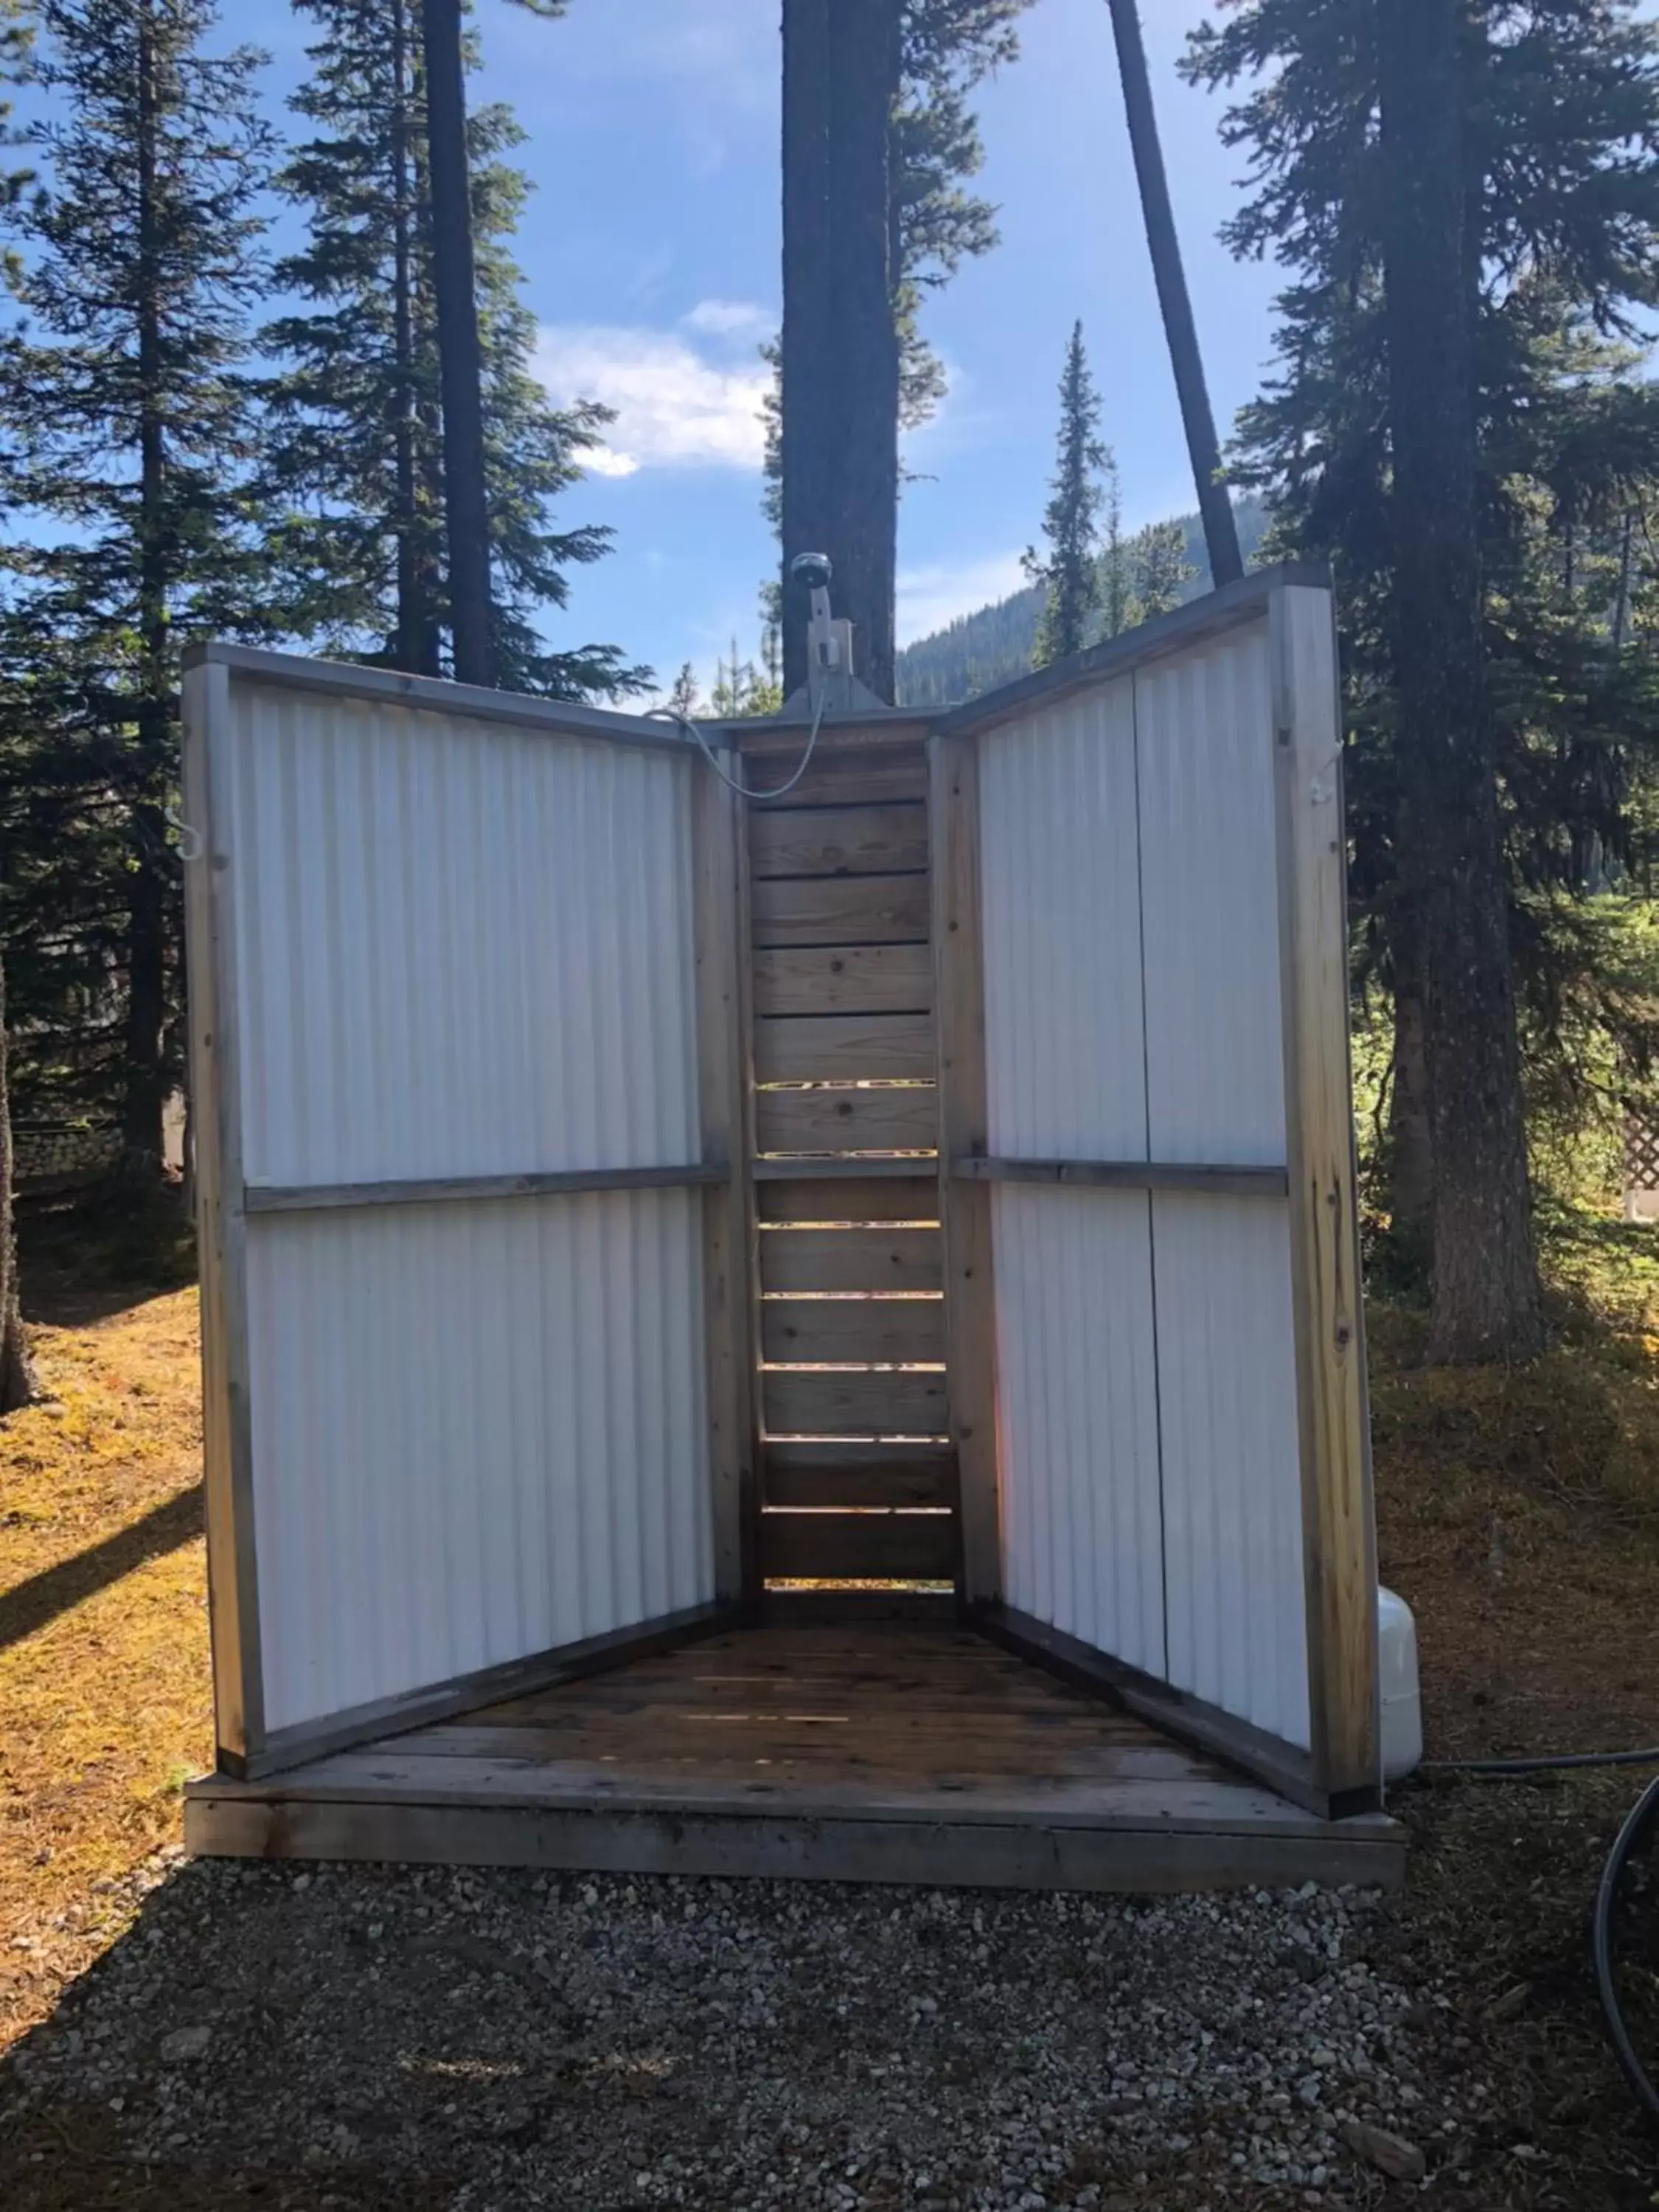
856, 1167
1132, 1174
330, 1197
1248, 600
467, 703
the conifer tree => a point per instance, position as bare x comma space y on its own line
356, 455
1070, 569
1117, 592
133, 429
950, 47
1554, 115
1160, 569
17, 1370
880, 145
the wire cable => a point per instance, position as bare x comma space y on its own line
673, 715
1547, 1763
1645, 1811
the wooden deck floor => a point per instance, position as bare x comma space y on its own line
885, 1752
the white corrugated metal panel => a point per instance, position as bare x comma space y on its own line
462, 948
478, 1434
1232, 1485
1076, 1416
1064, 1040
1215, 1074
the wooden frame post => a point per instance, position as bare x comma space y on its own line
964, 1204
728, 1233
1339, 1532
221, 1229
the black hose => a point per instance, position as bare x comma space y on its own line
1554, 1763
1646, 1810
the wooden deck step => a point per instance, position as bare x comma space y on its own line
855, 1751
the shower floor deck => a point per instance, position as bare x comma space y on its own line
888, 1751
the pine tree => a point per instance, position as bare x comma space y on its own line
1070, 570
1556, 109
950, 47
861, 220
356, 455
839, 353
17, 1385
134, 429
1160, 569
1117, 592
683, 698
1488, 1300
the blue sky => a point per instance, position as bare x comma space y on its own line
651, 251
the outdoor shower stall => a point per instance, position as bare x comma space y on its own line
814, 1338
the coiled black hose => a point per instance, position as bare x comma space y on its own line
1644, 1818
1555, 1762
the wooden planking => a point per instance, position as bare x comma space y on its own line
863, 1746
845, 775
859, 1748
392, 1775
467, 1190
722, 1089
846, 1048
849, 1199
933, 1852
220, 1216
871, 979
858, 1475
885, 731
898, 1548
970, 1307
851, 1260
1130, 1175
852, 1403
869, 1120
835, 841
725, 1738
840, 911
1339, 1530
905, 1331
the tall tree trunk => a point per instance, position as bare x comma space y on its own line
840, 348
807, 392
415, 647
866, 65
145, 1081
1215, 504
17, 1385
1411, 1137
460, 356
1486, 1300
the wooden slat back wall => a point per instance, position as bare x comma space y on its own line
858, 1481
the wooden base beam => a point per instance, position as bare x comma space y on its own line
983, 1855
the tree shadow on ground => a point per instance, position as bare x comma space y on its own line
32, 1604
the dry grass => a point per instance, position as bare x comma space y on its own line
103, 1636
1519, 1514
1518, 1511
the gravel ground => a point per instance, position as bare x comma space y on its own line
605, 2043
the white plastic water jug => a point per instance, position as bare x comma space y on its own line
1402, 1701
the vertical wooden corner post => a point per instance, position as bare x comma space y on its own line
718, 846
1339, 1532
221, 1222
965, 1205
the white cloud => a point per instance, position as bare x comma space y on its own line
930, 598
731, 319
676, 407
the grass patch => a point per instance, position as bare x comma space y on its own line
1518, 1513
103, 1636
1518, 1509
